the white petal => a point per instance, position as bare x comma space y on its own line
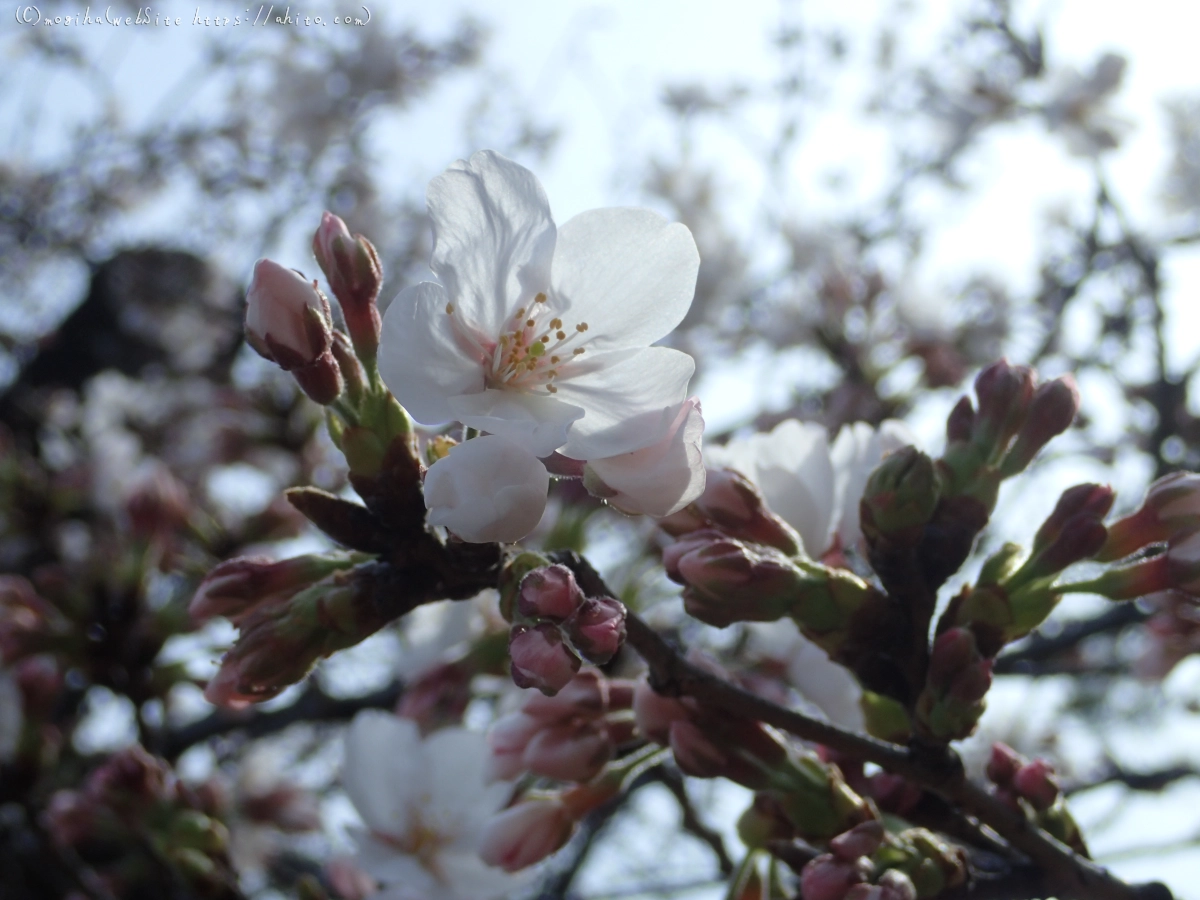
455, 760
382, 770
493, 237
629, 273
423, 359
487, 489
625, 393
662, 478
467, 877
537, 422
393, 867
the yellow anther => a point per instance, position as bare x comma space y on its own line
529, 323
576, 351
555, 359
556, 323
520, 314
449, 309
581, 327
552, 389
561, 335
540, 298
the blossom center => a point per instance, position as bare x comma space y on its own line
531, 353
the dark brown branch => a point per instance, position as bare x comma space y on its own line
1041, 648
314, 705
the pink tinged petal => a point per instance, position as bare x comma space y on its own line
587, 695
493, 237
383, 771
280, 304
538, 422
525, 834
795, 473
392, 867
629, 273
629, 396
507, 739
571, 752
487, 489
549, 592
425, 359
597, 629
655, 713
660, 479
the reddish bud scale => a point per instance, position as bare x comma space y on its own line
355, 276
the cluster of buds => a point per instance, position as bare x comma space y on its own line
739, 562
571, 736
930, 864
847, 871
282, 637
1032, 787
1010, 599
132, 798
1015, 418
289, 321
805, 796
957, 682
554, 626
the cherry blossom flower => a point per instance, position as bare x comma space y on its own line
814, 486
424, 803
536, 333
487, 489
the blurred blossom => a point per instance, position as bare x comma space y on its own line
1078, 107
813, 486
424, 803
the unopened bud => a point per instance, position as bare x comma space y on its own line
729, 581
1051, 411
234, 587
1183, 562
655, 713
1003, 764
549, 593
960, 424
355, 275
1037, 783
597, 629
900, 496
861, 840
959, 678
157, 504
829, 878
541, 659
1004, 392
732, 503
526, 833
575, 751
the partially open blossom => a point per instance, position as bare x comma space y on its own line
597, 629
289, 322
537, 333
660, 479
541, 659
550, 593
526, 833
424, 803
487, 489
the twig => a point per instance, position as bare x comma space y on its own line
1044, 647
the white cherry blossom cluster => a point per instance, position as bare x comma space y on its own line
539, 338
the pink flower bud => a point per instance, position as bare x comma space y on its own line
597, 629
355, 275
1037, 783
1003, 764
287, 320
694, 753
953, 651
1051, 411
655, 713
549, 593
588, 695
157, 504
893, 885
861, 840
526, 833
507, 739
1004, 392
829, 878
234, 587
960, 424
541, 659
571, 752
732, 503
